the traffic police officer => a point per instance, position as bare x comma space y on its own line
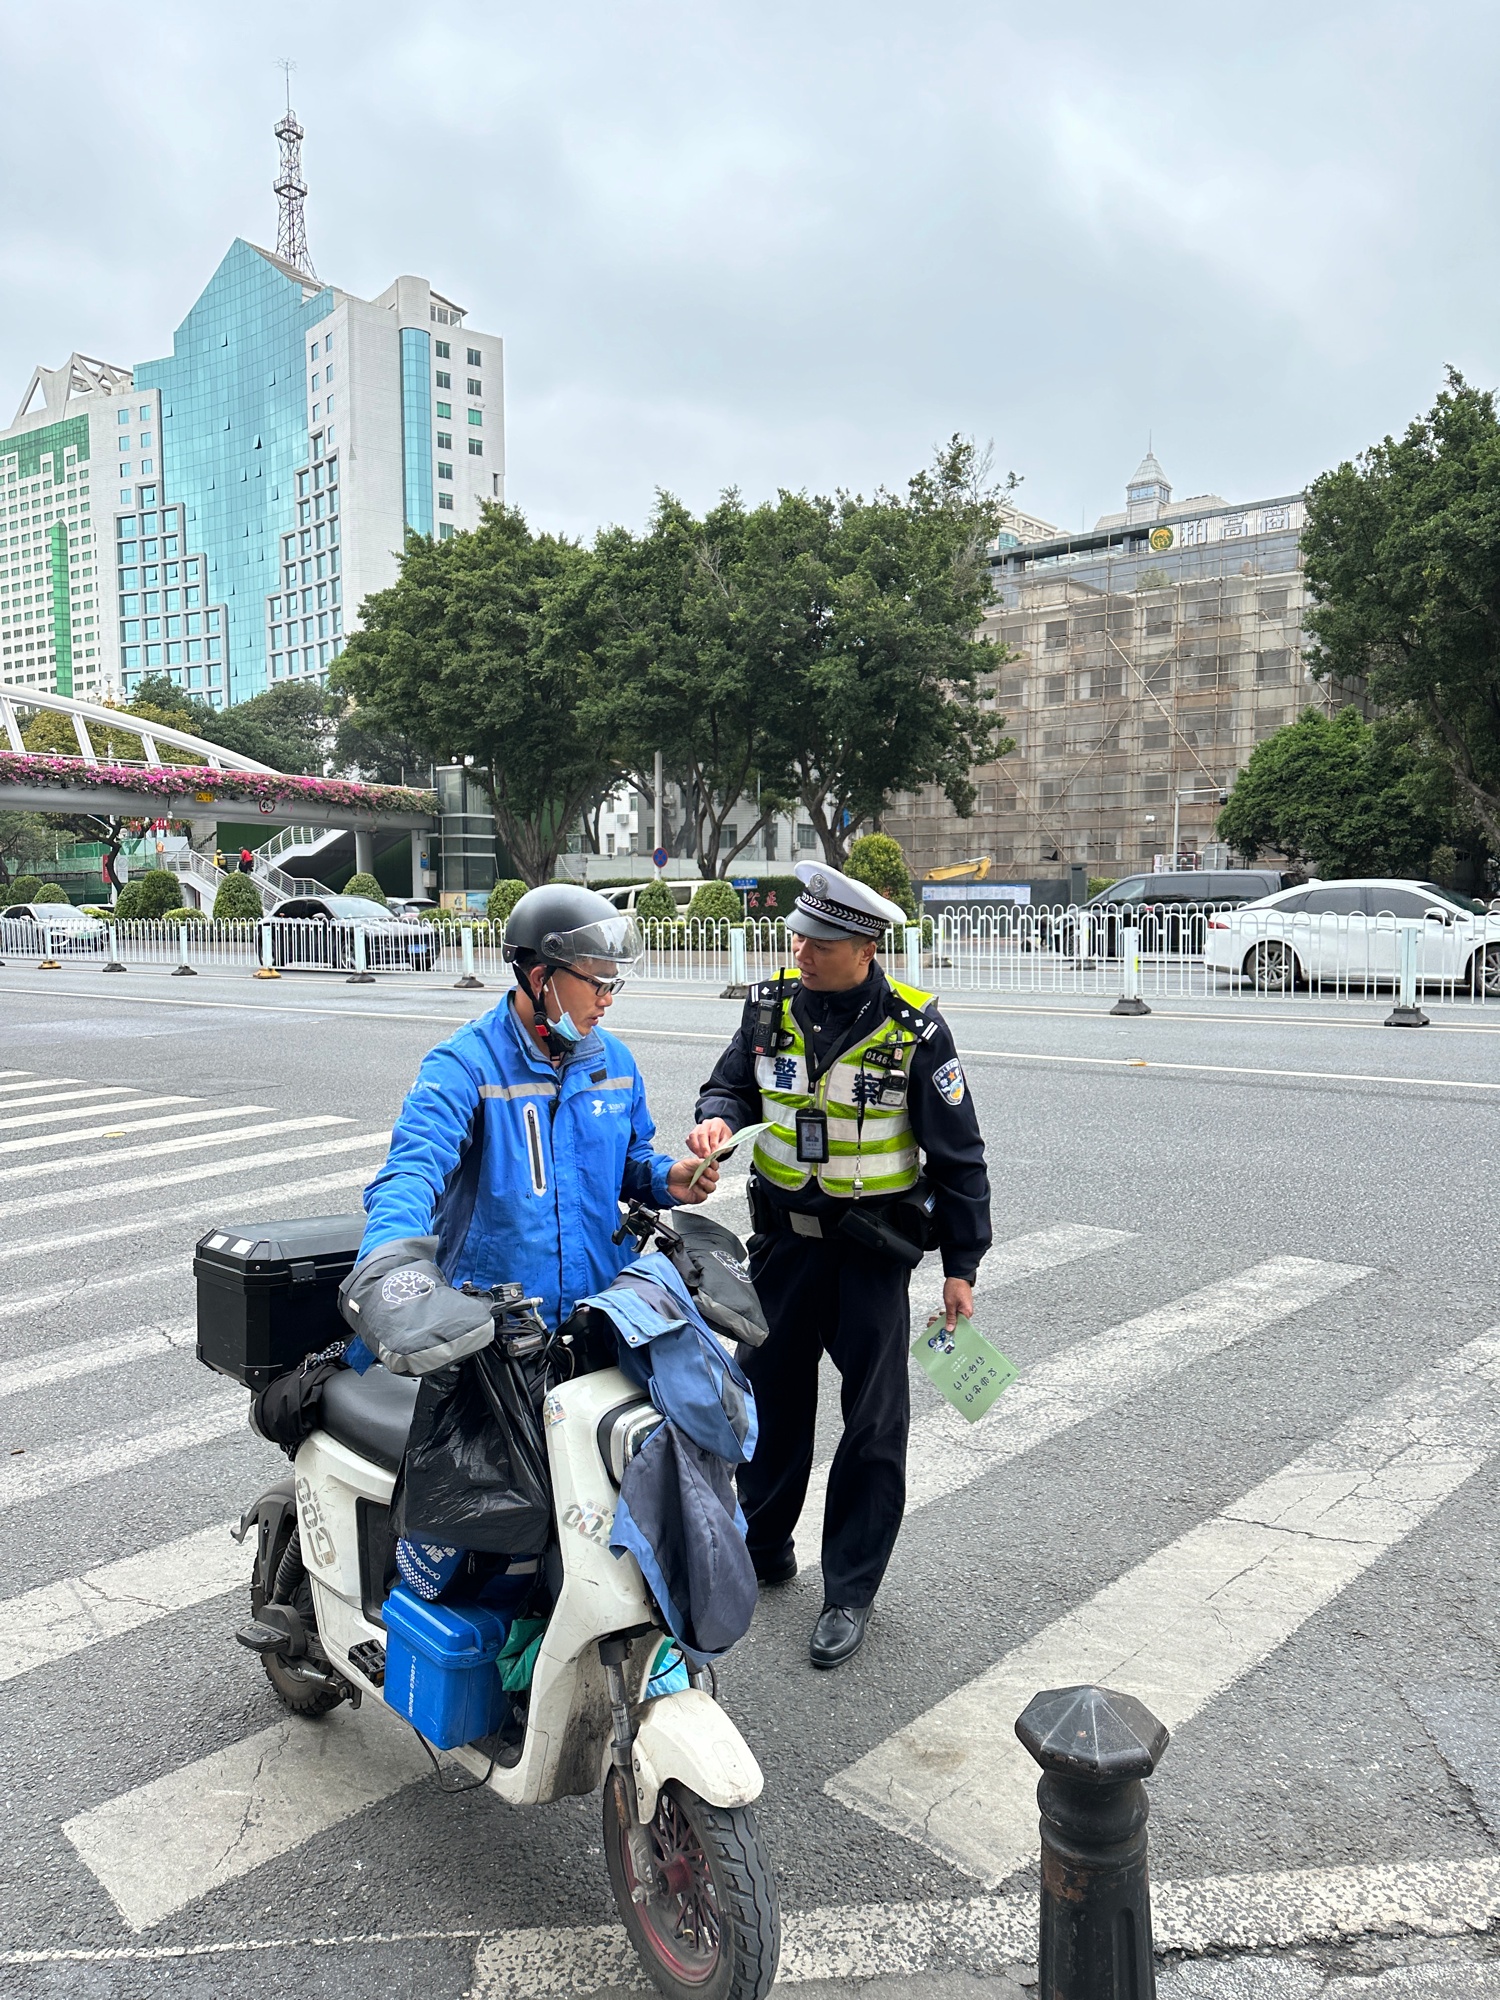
858, 1077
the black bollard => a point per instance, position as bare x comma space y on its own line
1095, 1747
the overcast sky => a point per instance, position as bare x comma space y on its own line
797, 244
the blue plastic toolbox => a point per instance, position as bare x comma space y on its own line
440, 1667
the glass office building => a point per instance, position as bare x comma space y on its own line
219, 515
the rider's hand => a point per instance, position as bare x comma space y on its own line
682, 1172
958, 1302
703, 1138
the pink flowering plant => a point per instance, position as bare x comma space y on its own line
179, 782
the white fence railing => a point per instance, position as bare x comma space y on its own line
1198, 953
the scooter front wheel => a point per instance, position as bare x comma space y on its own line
703, 1916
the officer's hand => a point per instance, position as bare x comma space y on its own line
958, 1301
703, 1138
682, 1172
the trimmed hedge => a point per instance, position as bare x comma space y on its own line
23, 889
503, 899
366, 886
149, 896
237, 901
656, 904
183, 916
51, 892
772, 896
716, 903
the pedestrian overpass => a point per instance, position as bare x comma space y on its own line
303, 830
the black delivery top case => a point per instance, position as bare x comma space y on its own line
268, 1293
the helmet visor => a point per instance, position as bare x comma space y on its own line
612, 942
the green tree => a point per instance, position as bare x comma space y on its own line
378, 756
24, 888
1402, 553
50, 892
24, 836
873, 607
236, 901
1341, 796
149, 896
474, 650
366, 886
503, 899
877, 860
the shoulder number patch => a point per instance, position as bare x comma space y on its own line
948, 1081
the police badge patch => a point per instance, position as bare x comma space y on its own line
949, 1082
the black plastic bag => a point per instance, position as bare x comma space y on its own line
475, 1473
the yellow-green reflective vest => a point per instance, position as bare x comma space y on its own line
870, 1154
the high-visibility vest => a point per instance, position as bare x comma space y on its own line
871, 1149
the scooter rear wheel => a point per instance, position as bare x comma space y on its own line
708, 1926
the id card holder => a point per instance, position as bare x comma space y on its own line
812, 1136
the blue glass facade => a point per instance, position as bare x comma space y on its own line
416, 428
234, 433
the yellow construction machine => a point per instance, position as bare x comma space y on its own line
961, 871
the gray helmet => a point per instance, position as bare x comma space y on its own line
563, 925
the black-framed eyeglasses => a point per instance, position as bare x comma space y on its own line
603, 987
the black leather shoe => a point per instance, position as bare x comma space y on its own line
838, 1634
776, 1569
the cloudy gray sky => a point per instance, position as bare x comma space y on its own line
797, 243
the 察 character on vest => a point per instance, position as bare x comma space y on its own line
873, 1155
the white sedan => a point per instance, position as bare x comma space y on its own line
1349, 934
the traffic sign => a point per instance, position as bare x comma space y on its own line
659, 858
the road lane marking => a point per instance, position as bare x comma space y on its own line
72, 1096
215, 1205
84, 1288
1206, 1916
75, 1461
312, 1123
1182, 1627
40, 1370
1228, 1069
75, 1113
947, 1453
1021, 1257
37, 1204
165, 1844
47, 1624
37, 1140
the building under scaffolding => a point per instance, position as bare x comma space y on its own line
1149, 658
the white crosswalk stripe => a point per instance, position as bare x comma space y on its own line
75, 1461
241, 1164
113, 1129
1185, 1624
90, 1357
45, 1625
282, 1196
75, 1112
947, 1453
316, 1122
168, 1843
29, 1115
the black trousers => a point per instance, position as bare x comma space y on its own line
830, 1297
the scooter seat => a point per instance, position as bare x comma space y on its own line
371, 1413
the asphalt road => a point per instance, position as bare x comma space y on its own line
1290, 1219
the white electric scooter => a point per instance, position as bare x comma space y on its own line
686, 1863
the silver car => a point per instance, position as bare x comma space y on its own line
317, 933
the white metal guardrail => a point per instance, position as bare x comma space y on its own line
1109, 953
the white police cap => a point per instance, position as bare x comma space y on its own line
833, 906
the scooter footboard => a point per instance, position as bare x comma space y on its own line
688, 1737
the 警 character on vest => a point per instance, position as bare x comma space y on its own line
873, 1155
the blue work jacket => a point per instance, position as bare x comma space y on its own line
518, 1168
